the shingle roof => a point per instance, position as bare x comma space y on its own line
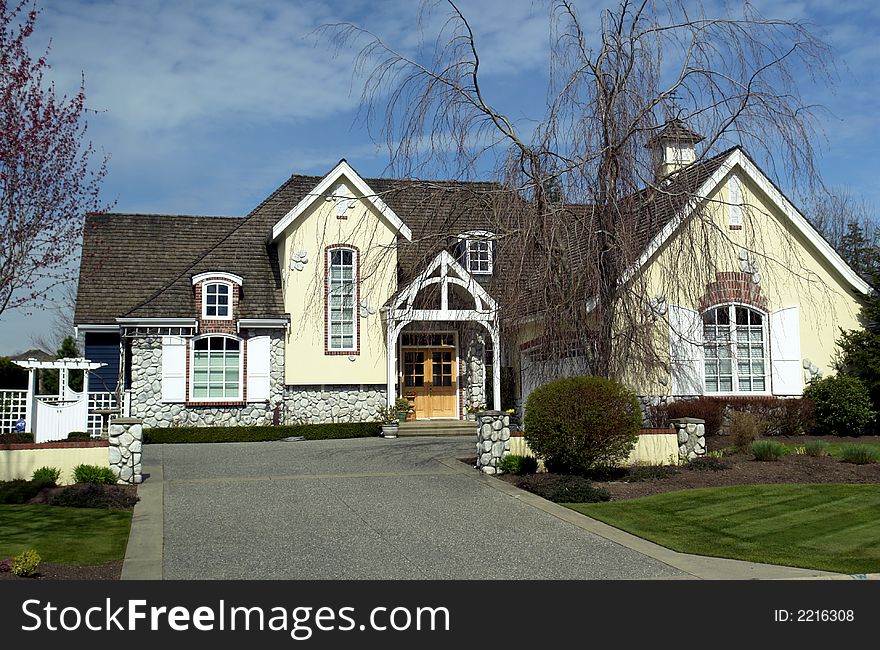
154, 257
142, 265
126, 258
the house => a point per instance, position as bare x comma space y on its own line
328, 300
338, 293
747, 299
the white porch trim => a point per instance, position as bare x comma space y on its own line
401, 313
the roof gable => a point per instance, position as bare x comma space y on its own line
738, 158
342, 170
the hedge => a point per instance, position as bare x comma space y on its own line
328, 431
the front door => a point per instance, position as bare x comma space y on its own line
431, 375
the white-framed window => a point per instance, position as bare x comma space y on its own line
342, 324
478, 251
216, 369
735, 350
217, 300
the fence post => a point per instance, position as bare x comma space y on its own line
493, 439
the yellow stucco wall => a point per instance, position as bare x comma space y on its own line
304, 298
651, 449
21, 463
792, 270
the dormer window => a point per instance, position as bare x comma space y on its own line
216, 300
477, 252
218, 296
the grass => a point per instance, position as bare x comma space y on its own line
827, 527
78, 536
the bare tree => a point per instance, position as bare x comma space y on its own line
579, 189
850, 225
47, 181
63, 307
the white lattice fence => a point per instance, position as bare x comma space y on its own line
97, 402
13, 407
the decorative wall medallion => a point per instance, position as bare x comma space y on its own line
298, 260
365, 310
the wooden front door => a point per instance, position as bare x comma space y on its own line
431, 375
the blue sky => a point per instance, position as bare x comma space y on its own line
206, 106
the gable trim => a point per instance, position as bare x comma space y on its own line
317, 194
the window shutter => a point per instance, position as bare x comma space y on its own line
173, 369
785, 352
685, 351
258, 365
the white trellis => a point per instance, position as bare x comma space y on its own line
53, 420
444, 271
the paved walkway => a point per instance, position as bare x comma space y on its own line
375, 509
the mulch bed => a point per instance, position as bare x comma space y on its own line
744, 470
109, 571
116, 495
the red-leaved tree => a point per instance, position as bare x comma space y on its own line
48, 182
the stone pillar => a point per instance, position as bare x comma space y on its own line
126, 445
493, 439
691, 437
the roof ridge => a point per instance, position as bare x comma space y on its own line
164, 215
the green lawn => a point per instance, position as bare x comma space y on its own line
828, 527
77, 536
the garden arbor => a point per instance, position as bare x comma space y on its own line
51, 418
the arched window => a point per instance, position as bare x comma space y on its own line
216, 369
735, 350
216, 300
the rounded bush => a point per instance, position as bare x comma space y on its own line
842, 405
576, 424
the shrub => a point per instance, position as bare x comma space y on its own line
768, 450
401, 404
708, 409
16, 438
79, 436
90, 495
816, 448
47, 476
745, 428
577, 423
5, 565
515, 464
25, 564
860, 454
18, 491
93, 474
843, 406
798, 417
331, 430
563, 488
707, 464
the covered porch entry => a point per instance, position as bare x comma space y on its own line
442, 333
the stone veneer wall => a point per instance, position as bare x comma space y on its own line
493, 439
126, 446
146, 389
334, 403
474, 359
691, 437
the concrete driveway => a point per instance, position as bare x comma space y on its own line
368, 509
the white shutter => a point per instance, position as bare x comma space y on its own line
173, 369
785, 352
258, 362
685, 351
